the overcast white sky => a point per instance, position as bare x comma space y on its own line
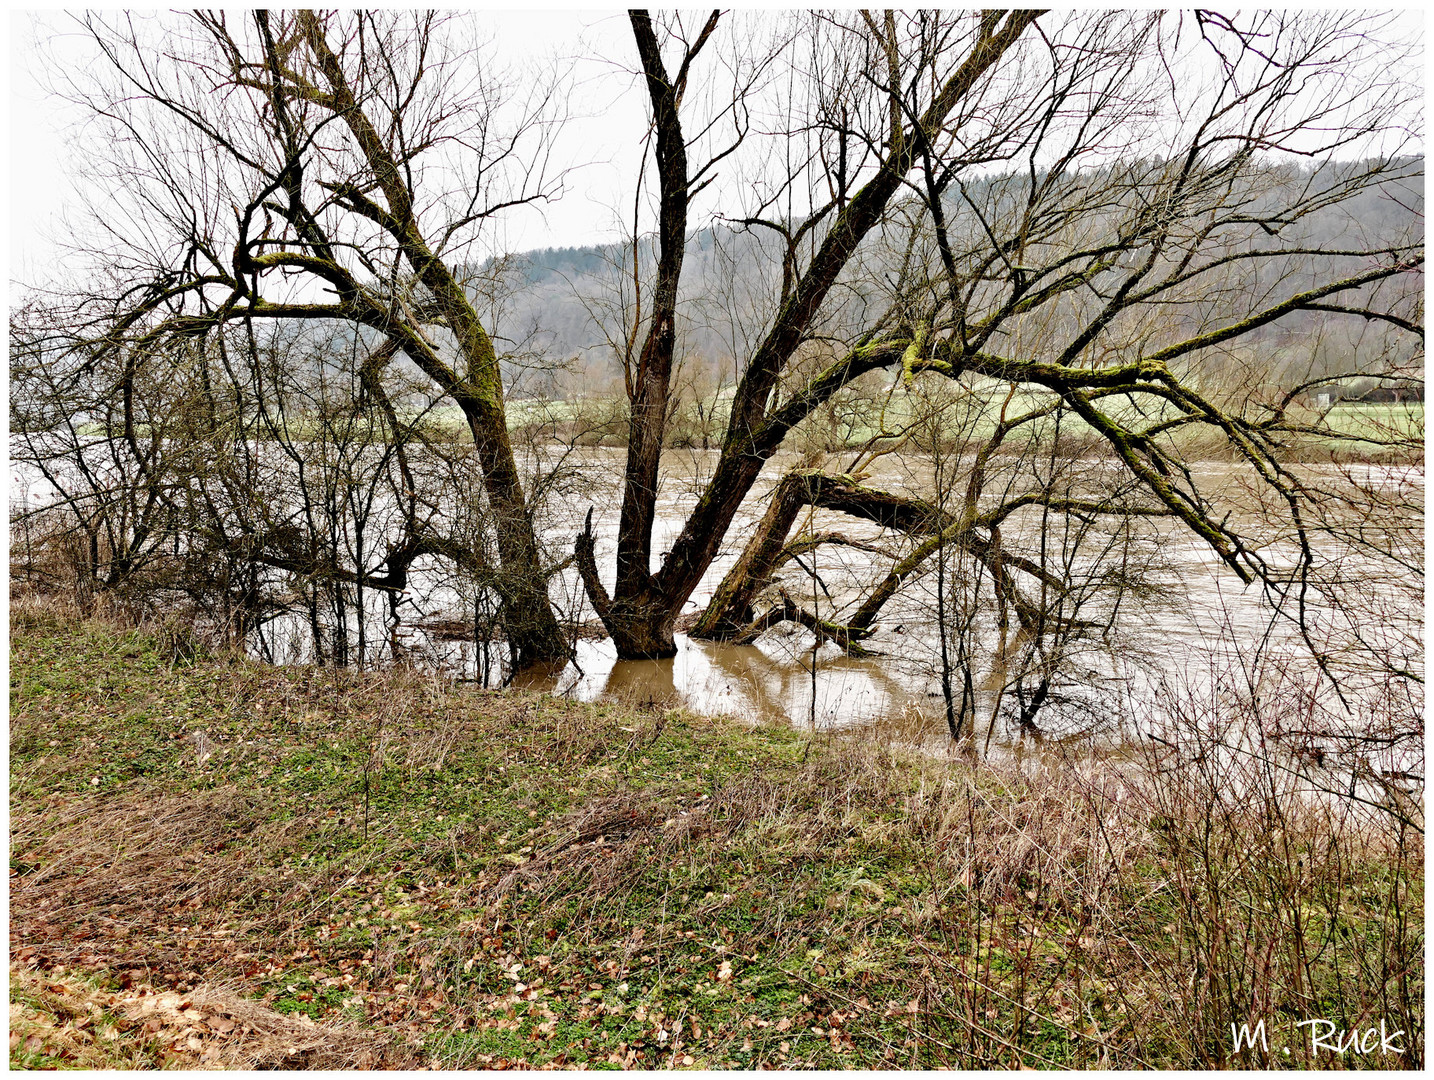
608, 130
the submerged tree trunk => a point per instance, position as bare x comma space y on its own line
642, 610
731, 615
730, 608
531, 628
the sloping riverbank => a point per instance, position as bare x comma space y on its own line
216, 862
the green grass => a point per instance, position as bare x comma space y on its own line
489, 879
1353, 430
1380, 422
854, 419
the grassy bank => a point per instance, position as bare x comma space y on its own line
219, 863
1354, 431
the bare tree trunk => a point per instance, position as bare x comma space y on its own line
730, 609
532, 630
643, 608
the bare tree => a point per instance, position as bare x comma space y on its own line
642, 608
333, 172
1095, 226
260, 480
1037, 209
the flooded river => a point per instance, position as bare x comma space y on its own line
1202, 621
1196, 625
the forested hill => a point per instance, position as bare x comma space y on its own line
558, 311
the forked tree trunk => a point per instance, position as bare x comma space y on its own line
638, 617
641, 612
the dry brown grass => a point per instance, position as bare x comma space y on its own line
69, 1022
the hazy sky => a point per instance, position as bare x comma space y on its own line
607, 130
609, 126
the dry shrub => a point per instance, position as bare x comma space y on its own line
1210, 878
179, 634
32, 608
1295, 888
51, 554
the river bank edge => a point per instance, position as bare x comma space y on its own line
220, 863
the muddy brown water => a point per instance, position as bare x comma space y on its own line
1202, 629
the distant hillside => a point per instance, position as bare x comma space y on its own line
565, 305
